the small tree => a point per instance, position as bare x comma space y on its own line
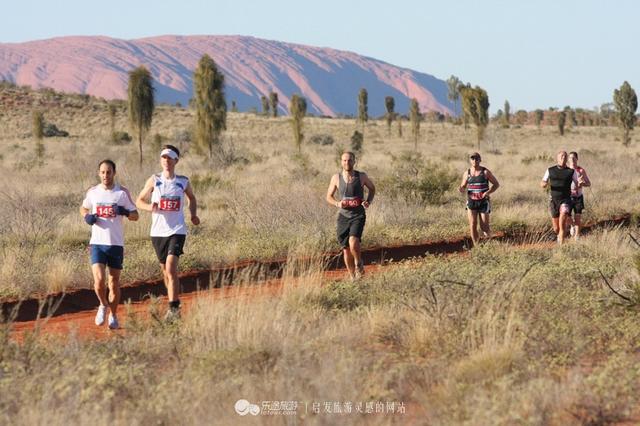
626, 103
363, 107
390, 105
211, 107
38, 133
113, 110
298, 110
357, 140
141, 103
273, 98
265, 105
453, 86
414, 117
507, 114
562, 118
234, 106
475, 103
539, 116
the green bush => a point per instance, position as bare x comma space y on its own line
120, 138
414, 179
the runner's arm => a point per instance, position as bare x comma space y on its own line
545, 179
333, 185
494, 182
133, 213
85, 207
141, 201
585, 180
193, 204
463, 182
371, 189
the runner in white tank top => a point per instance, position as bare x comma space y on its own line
163, 195
103, 208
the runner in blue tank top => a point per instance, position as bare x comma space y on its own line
478, 182
349, 184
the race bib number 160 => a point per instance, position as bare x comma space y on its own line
171, 204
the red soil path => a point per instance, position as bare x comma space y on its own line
75, 311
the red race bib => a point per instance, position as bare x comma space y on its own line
171, 204
475, 195
351, 203
106, 210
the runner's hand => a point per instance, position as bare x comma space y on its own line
154, 208
90, 218
366, 204
122, 211
195, 220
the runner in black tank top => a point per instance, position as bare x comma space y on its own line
349, 184
559, 179
478, 182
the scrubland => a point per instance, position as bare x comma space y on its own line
500, 335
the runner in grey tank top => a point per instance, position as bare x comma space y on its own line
349, 184
352, 195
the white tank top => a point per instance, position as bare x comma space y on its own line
169, 195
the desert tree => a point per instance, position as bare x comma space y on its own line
453, 86
390, 105
265, 105
522, 117
363, 107
414, 117
475, 102
113, 110
140, 94
626, 102
298, 110
273, 99
539, 116
234, 106
562, 119
467, 103
211, 107
507, 114
399, 120
37, 126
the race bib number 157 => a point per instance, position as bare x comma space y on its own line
171, 204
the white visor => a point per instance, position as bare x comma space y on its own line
169, 153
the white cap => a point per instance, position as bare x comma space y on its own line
169, 153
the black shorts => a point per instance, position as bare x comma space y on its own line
481, 206
350, 227
577, 204
164, 246
555, 206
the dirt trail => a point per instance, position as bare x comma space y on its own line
75, 311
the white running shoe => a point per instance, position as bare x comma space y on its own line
102, 311
572, 230
113, 322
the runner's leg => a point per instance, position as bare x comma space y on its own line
349, 261
98, 270
473, 225
485, 225
171, 277
578, 224
114, 289
562, 226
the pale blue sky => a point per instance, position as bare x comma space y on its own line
536, 54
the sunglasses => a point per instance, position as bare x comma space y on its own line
475, 157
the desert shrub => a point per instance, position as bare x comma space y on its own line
544, 157
414, 179
356, 142
322, 139
120, 138
204, 182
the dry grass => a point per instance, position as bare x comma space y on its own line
500, 337
246, 207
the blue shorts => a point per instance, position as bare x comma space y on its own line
112, 256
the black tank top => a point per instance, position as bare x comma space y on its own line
560, 179
477, 185
351, 191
